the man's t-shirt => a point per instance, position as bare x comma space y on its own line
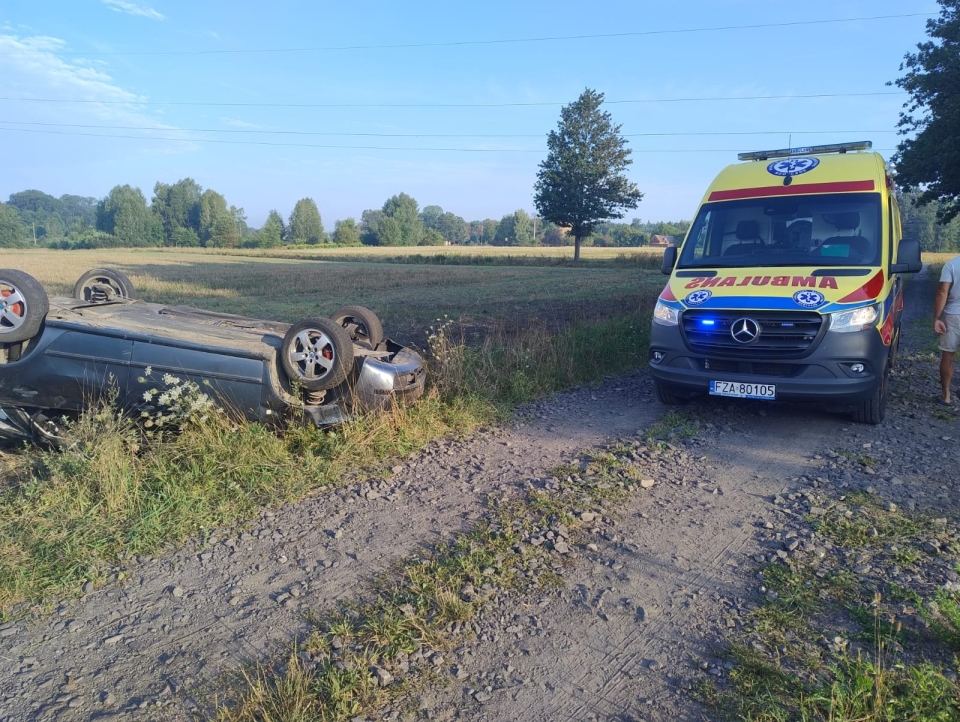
951, 274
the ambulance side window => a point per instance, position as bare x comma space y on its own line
703, 236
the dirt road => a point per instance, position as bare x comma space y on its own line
635, 624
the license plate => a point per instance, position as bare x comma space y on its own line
743, 390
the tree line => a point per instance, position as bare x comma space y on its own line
920, 221
183, 214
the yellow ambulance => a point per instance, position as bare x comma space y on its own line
788, 284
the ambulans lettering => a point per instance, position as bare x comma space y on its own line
794, 281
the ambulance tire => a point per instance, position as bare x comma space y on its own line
666, 396
873, 410
894, 348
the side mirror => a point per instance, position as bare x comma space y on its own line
908, 257
670, 260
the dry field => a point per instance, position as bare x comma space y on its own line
408, 296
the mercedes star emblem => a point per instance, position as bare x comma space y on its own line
745, 330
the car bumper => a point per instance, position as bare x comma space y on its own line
825, 373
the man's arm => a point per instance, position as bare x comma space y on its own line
939, 303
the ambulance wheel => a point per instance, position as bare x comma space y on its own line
873, 410
665, 395
894, 348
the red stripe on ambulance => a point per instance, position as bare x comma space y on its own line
794, 190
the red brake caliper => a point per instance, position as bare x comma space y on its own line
327, 354
17, 308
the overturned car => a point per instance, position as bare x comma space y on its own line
59, 354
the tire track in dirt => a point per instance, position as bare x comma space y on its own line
675, 549
678, 557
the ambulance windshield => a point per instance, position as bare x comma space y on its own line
815, 230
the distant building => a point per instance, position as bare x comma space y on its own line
658, 241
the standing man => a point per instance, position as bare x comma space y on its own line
946, 323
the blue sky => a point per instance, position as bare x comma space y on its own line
152, 60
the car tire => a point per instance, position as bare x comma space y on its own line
874, 409
361, 323
23, 306
316, 354
83, 289
665, 395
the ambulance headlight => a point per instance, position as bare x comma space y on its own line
665, 315
859, 319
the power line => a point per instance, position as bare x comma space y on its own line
434, 135
353, 147
505, 41
449, 105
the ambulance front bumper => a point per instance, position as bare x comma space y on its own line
839, 369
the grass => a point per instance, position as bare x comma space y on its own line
829, 644
407, 296
69, 516
419, 608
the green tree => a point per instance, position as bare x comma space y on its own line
13, 234
454, 229
582, 179
554, 235
432, 237
177, 206
271, 235
346, 233
514, 229
490, 232
431, 215
389, 233
240, 221
930, 161
185, 238
34, 201
305, 223
78, 208
370, 221
124, 215
53, 228
212, 206
405, 211
224, 233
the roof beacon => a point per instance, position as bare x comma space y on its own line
808, 150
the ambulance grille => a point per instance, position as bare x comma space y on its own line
783, 334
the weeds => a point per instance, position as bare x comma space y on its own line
361, 654
119, 488
672, 426
112, 491
828, 644
504, 372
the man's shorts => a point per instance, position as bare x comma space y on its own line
950, 341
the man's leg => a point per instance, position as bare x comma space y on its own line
946, 373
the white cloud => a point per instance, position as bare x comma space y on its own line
132, 8
242, 124
33, 69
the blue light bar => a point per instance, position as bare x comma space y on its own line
708, 322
